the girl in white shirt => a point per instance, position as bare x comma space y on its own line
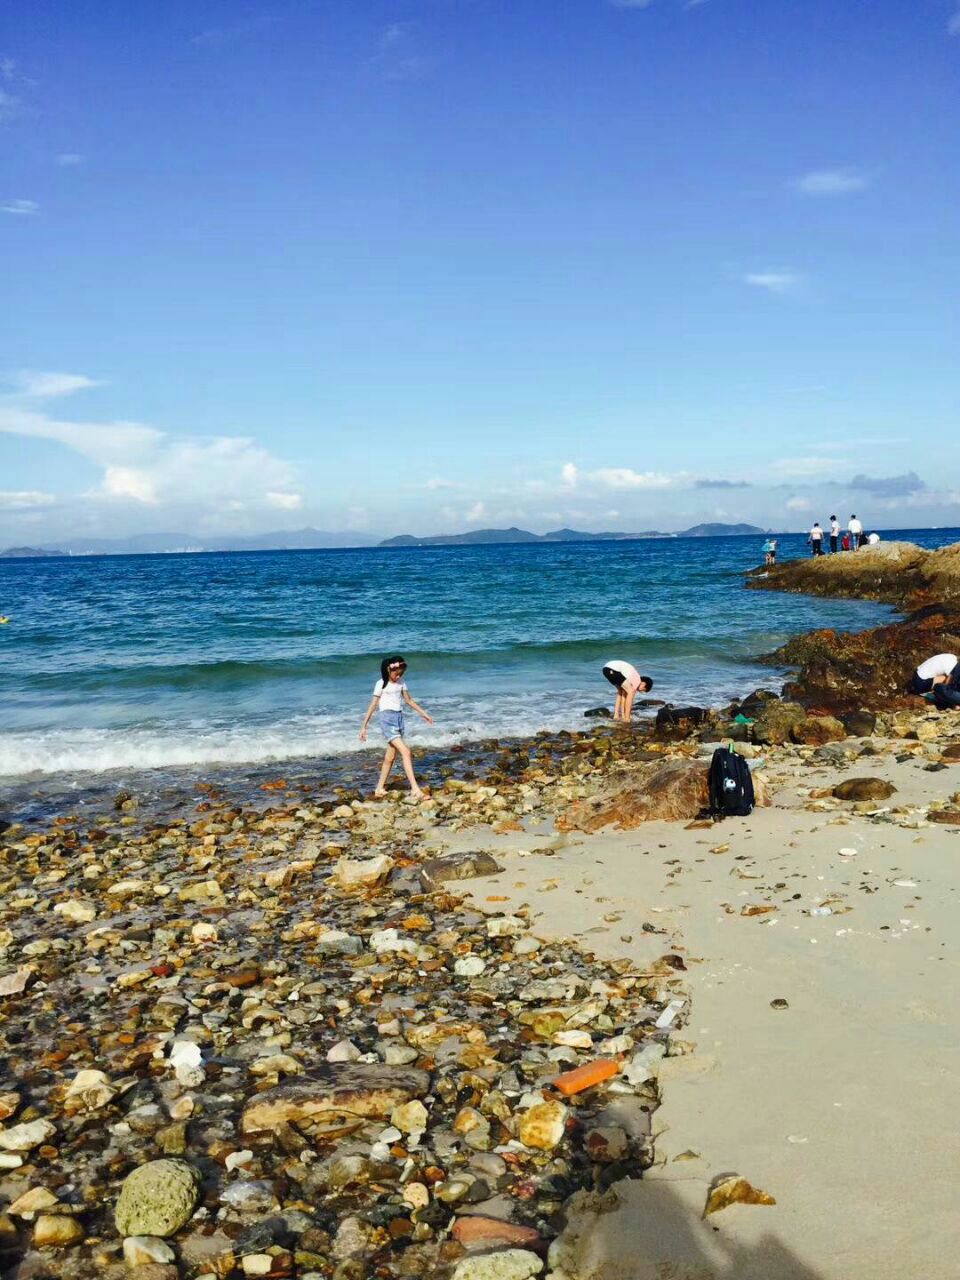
390, 693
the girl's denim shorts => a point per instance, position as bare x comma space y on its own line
391, 725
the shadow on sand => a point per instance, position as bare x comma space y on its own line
654, 1230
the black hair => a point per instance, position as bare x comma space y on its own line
833, 517
647, 680
385, 665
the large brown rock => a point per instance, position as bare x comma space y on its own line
864, 789
816, 731
458, 866
843, 672
776, 722
358, 1088
672, 792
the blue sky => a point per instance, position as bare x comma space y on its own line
428, 265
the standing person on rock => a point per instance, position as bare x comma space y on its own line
855, 529
834, 533
389, 694
627, 681
815, 539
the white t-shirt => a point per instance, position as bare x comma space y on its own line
391, 697
855, 526
816, 533
633, 678
941, 664
834, 528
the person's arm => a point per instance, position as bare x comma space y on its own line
419, 710
366, 719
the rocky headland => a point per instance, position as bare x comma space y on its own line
841, 672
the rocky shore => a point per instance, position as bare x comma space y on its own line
336, 1038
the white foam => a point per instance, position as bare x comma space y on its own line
71, 751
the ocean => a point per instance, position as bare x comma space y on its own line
191, 665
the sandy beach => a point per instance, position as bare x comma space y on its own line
835, 1105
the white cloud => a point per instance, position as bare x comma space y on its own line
284, 501
144, 465
43, 385
437, 483
129, 483
624, 478
25, 500
797, 504
773, 281
68, 159
477, 512
568, 475
830, 182
20, 208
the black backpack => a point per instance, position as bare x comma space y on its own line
731, 786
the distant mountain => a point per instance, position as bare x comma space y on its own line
485, 537
28, 553
476, 538
722, 531
173, 543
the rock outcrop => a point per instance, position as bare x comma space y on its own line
896, 572
672, 792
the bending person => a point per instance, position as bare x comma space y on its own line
935, 671
627, 681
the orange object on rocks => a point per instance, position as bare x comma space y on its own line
585, 1077
470, 1230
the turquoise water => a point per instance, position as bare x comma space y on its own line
199, 661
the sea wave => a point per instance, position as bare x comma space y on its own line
90, 751
234, 673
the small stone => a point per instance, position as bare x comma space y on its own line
201, 891
864, 789
542, 1127
416, 1195
252, 1195
343, 1051
157, 1198
76, 910
469, 967
91, 1089
57, 1231
779, 1003
12, 984
335, 942
410, 1117
256, 1264
359, 873
606, 1144
505, 926
505, 1264
139, 1251
24, 1137
32, 1202
475, 1230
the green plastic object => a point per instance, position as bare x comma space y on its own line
738, 719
